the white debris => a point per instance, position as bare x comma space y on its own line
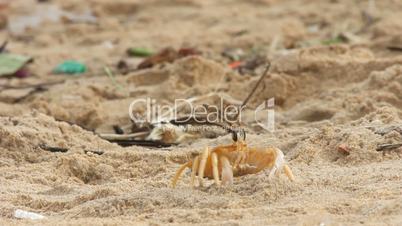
169, 133
22, 214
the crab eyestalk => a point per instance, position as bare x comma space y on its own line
239, 137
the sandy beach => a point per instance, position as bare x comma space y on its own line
336, 76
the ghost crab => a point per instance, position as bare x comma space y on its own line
237, 159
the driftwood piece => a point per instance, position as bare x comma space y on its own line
387, 147
53, 149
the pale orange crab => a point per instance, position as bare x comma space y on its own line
224, 162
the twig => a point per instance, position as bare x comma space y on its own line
53, 149
385, 147
395, 48
116, 137
256, 85
253, 90
4, 87
38, 89
110, 74
94, 152
274, 44
147, 143
126, 140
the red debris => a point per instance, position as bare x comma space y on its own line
235, 64
344, 149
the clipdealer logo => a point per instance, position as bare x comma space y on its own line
151, 112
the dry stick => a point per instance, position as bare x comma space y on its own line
253, 90
38, 89
4, 87
94, 152
256, 85
274, 44
116, 137
395, 48
53, 149
111, 76
126, 140
41, 87
147, 143
385, 147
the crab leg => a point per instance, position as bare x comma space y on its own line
215, 171
227, 172
288, 172
238, 160
240, 163
280, 164
203, 163
194, 170
179, 172
243, 158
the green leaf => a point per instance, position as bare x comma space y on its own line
139, 52
10, 63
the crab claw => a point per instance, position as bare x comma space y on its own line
280, 163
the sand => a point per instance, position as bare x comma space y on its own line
335, 104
